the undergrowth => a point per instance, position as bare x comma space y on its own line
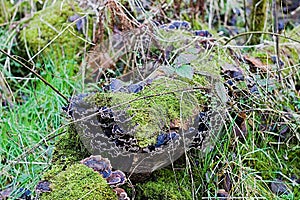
259, 149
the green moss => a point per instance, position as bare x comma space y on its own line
165, 187
258, 18
78, 182
69, 148
6, 9
48, 24
153, 108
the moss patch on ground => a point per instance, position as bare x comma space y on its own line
77, 182
51, 23
164, 186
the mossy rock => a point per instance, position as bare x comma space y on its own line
51, 24
78, 182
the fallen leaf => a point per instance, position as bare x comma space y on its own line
233, 71
255, 62
227, 182
240, 128
278, 187
185, 71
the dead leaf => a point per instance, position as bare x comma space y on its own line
240, 128
278, 187
255, 62
227, 182
233, 71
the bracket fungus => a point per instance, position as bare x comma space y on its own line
98, 164
103, 167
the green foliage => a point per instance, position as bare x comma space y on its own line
78, 182
34, 116
185, 71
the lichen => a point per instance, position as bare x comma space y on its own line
49, 23
78, 182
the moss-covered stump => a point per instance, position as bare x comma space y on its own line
77, 182
152, 109
51, 27
168, 101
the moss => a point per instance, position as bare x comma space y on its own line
6, 10
153, 108
258, 18
69, 148
78, 182
165, 187
47, 24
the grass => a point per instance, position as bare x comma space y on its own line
35, 114
246, 166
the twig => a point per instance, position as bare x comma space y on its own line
276, 38
36, 74
30, 150
260, 32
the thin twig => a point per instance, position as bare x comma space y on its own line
260, 32
276, 38
30, 150
36, 74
